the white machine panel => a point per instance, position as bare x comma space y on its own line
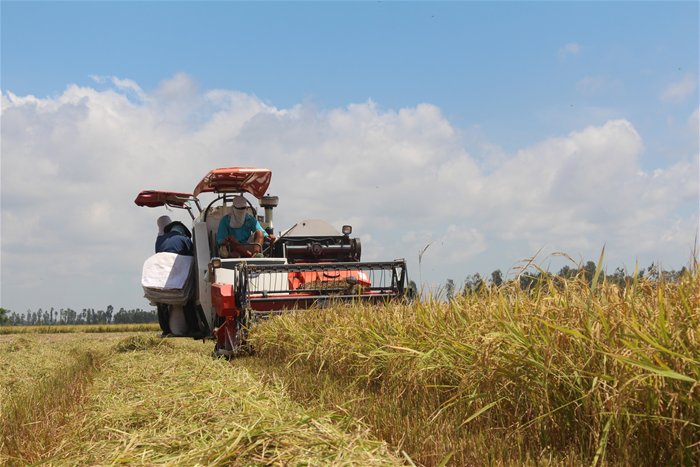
262, 283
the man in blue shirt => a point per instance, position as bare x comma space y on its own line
173, 237
237, 228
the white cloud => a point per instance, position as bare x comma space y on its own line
680, 90
121, 84
694, 122
572, 48
72, 165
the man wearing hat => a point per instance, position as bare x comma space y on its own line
241, 232
173, 237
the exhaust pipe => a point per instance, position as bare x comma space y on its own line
269, 203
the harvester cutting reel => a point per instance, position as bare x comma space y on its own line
265, 290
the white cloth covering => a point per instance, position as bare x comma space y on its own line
167, 278
237, 213
166, 271
162, 222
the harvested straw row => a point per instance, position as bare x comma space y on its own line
40, 385
171, 403
564, 373
85, 328
27, 359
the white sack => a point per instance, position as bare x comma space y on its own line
166, 271
178, 324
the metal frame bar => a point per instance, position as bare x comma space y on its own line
309, 267
386, 291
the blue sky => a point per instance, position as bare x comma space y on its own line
497, 82
471, 59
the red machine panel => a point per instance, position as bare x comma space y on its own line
234, 179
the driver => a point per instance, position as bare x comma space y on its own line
241, 232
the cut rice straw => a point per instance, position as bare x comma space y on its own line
176, 405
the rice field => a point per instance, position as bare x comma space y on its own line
563, 374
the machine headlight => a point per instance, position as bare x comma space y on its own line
347, 229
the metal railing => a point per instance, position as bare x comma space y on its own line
271, 287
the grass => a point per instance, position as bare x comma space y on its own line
85, 328
562, 374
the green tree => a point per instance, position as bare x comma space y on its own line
135, 316
450, 289
411, 290
589, 271
4, 319
473, 283
497, 277
618, 277
567, 272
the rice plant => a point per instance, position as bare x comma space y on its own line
561, 373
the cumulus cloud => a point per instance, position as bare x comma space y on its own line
72, 165
572, 48
679, 91
121, 84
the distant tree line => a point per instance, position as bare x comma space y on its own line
530, 279
471, 284
69, 316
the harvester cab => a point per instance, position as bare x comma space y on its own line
310, 264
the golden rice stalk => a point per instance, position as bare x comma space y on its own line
598, 373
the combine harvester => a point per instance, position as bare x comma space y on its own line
309, 265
